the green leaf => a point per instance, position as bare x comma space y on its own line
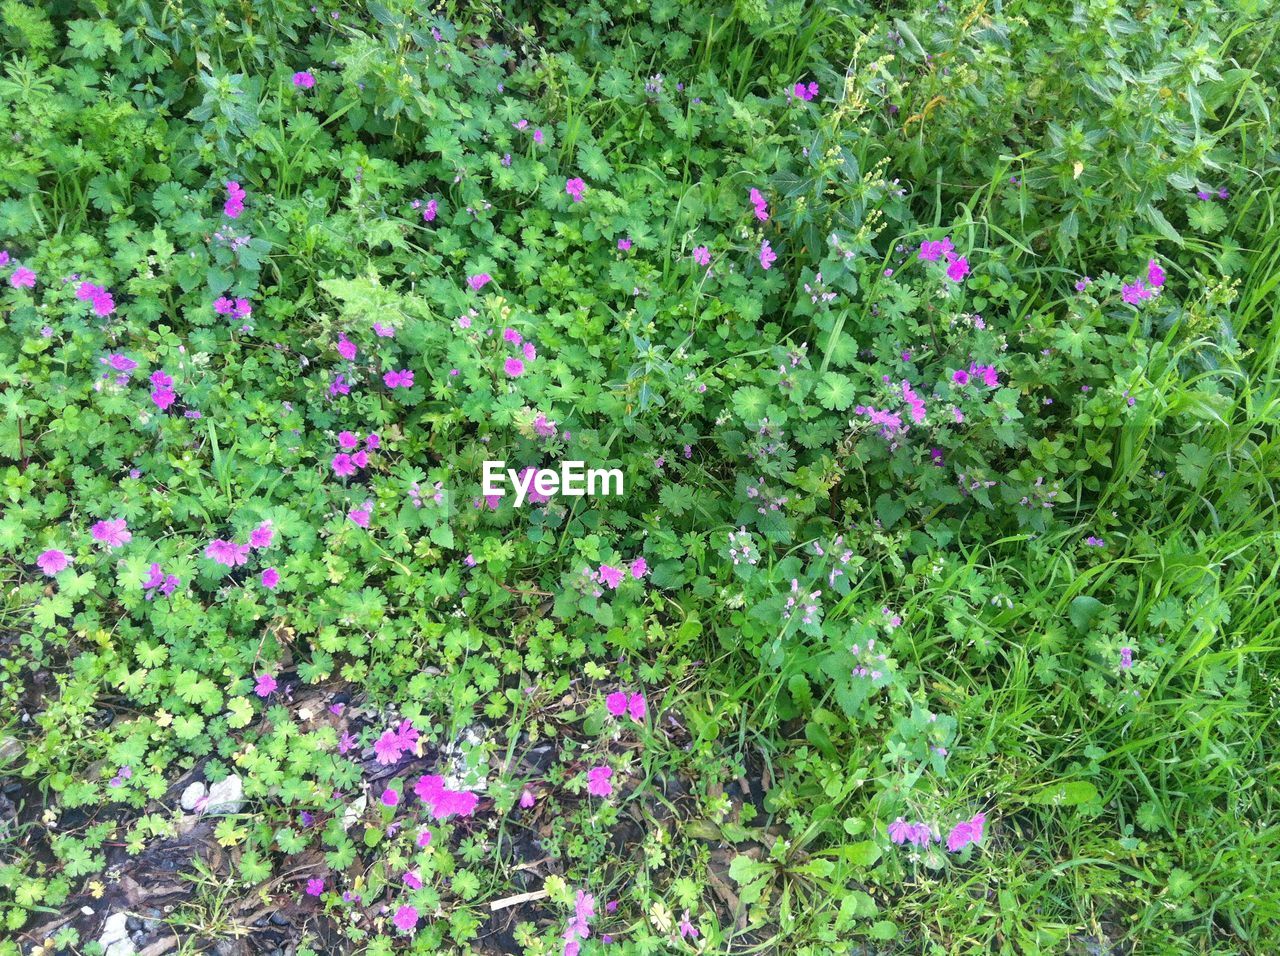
835, 391
1067, 794
1083, 610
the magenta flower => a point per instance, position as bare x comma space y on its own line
114, 533
639, 568
227, 553
932, 251
429, 211
443, 802
957, 268
966, 832
383, 331
575, 188
162, 394
262, 536
1126, 658
538, 137
406, 918
960, 377
479, 281
270, 578
234, 204
513, 367
157, 580
315, 886
266, 685
527, 799
101, 299
22, 278
702, 256
624, 244
767, 256
390, 797
303, 80
804, 92
120, 362
400, 379
598, 784
609, 576
1155, 274
760, 204
687, 929
52, 561
620, 702
346, 348
360, 516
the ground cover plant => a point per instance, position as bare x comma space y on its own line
937, 344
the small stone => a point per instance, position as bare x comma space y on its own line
279, 920
193, 795
226, 796
114, 930
10, 749
87, 910
123, 948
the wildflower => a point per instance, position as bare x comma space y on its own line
960, 377
932, 251
157, 580
479, 281
1134, 292
100, 298
342, 465
360, 516
234, 204
266, 685
804, 92
702, 256
538, 137
530, 353
400, 379
966, 832
1094, 542
346, 348
119, 362
640, 567
575, 188
411, 878
270, 578
22, 278
767, 256
513, 367
1083, 284
315, 886
620, 702
624, 244
1155, 274
760, 204
227, 553
1126, 658
512, 336
687, 929
610, 576
442, 801
52, 561
957, 268
162, 394
598, 784
424, 838
390, 798
262, 536
114, 533
303, 80
527, 798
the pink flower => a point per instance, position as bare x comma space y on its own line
702, 256
270, 578
537, 136
479, 281
966, 832
687, 929
639, 568
390, 797
957, 268
610, 576
383, 331
767, 256
114, 533
624, 244
22, 278
303, 80
262, 536
636, 708
598, 784
513, 367
527, 798
234, 205
1134, 292
227, 553
315, 886
346, 348
424, 838
1155, 274
103, 303
411, 878
530, 353
52, 561
400, 379
266, 685
932, 251
360, 516
616, 703
406, 918
429, 211
442, 801
620, 702
119, 362
760, 203
342, 465
575, 188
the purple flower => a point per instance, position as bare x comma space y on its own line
22, 278
315, 886
702, 256
303, 80
932, 251
265, 686
227, 553
598, 784
767, 256
400, 379
234, 205
966, 832
575, 188
270, 578
479, 281
52, 561
406, 918
114, 533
